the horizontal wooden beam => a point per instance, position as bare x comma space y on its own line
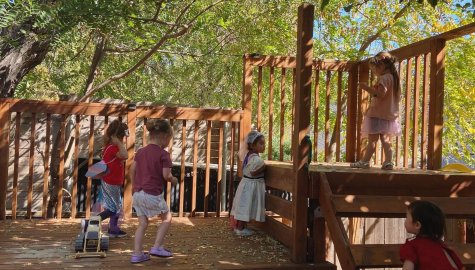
291, 62
65, 107
279, 206
395, 183
387, 255
396, 206
182, 113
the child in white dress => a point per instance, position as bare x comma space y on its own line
249, 201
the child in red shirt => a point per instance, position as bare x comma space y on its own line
427, 251
111, 187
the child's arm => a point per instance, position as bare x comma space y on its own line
258, 170
122, 154
376, 91
132, 172
408, 265
167, 175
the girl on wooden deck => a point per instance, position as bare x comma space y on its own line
151, 168
249, 201
427, 251
111, 187
381, 120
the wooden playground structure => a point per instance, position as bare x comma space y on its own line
328, 215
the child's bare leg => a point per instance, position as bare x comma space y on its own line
369, 151
163, 229
386, 141
139, 234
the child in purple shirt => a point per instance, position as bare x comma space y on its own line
151, 168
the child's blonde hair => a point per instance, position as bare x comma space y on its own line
159, 126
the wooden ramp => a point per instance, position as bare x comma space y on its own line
351, 256
197, 243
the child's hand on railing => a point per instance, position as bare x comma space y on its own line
174, 180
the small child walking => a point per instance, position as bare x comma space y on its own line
381, 120
249, 201
151, 168
427, 251
111, 187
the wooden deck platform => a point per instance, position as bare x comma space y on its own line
197, 243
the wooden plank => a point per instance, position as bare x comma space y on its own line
301, 125
396, 206
130, 144
352, 145
425, 109
415, 111
338, 116
31, 162
245, 126
335, 226
180, 113
279, 178
90, 162
271, 114
66, 107
46, 174
182, 169
144, 132
397, 149
259, 99
15, 164
276, 230
436, 104
74, 192
379, 255
207, 173
291, 62
4, 155
396, 183
231, 170
220, 169
407, 112
279, 206
316, 107
169, 185
195, 167
283, 104
327, 115
62, 158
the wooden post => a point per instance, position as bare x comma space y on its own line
301, 125
351, 111
4, 155
436, 103
130, 144
246, 103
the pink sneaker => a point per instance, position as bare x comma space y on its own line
160, 252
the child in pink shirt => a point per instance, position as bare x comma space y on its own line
151, 168
381, 120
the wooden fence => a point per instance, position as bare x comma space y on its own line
44, 150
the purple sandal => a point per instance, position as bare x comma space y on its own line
139, 258
160, 252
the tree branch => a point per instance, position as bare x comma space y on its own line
388, 25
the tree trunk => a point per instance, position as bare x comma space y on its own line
17, 61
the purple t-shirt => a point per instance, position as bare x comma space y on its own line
149, 163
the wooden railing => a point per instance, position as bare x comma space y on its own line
34, 157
